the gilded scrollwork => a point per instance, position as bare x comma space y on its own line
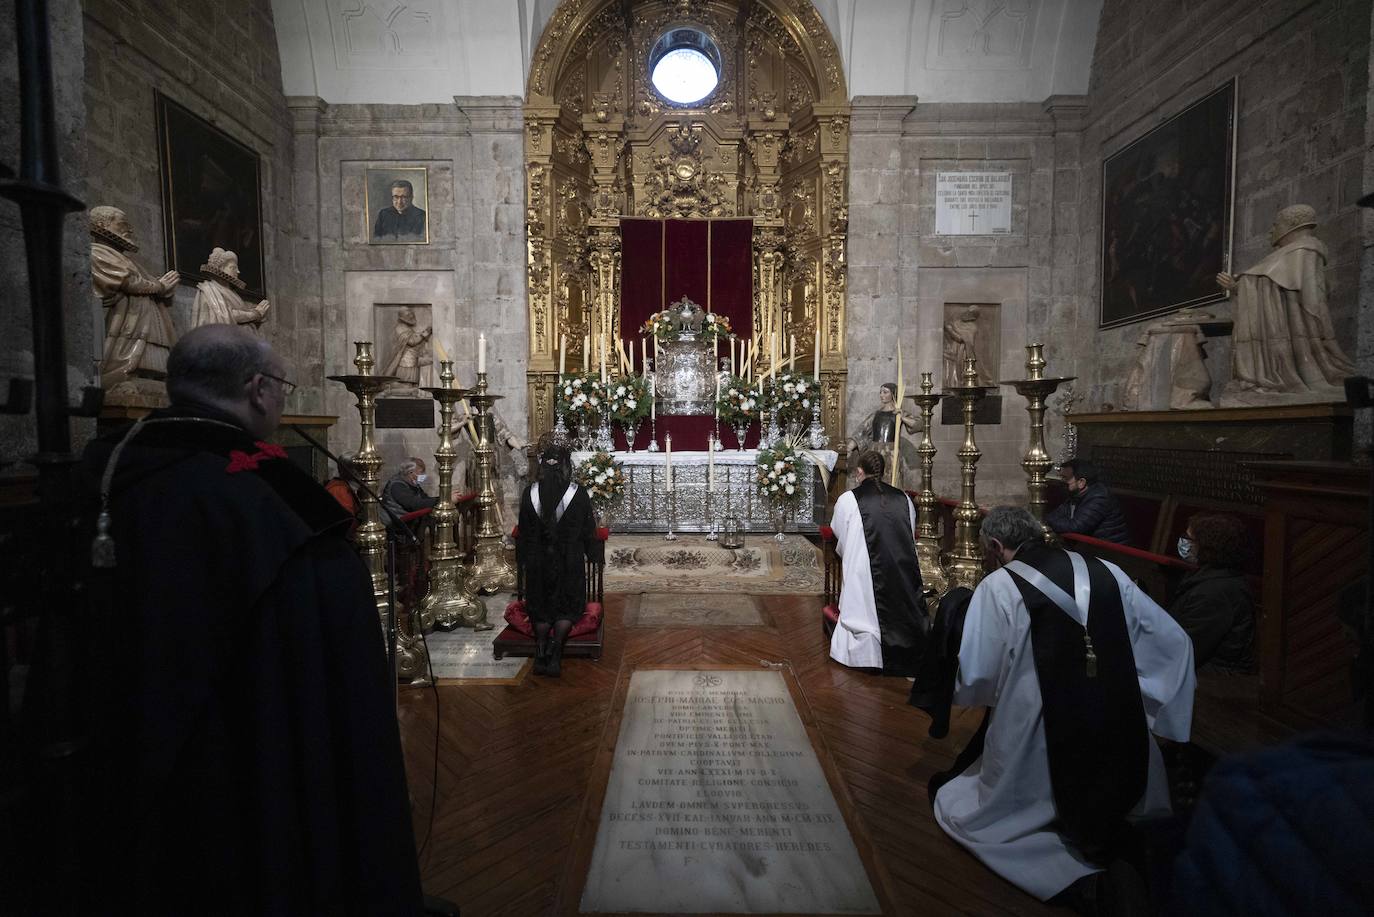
770, 142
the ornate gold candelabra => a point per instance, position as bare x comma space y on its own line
491, 572
450, 602
411, 659
1036, 388
933, 573
966, 561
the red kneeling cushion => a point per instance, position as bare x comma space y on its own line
832, 614
826, 533
518, 617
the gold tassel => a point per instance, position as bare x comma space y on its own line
1091, 656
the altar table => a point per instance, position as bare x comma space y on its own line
646, 504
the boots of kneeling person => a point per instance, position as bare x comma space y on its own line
541, 655
554, 669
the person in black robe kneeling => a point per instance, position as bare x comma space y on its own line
557, 534
883, 622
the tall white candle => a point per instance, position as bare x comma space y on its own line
794, 352
586, 353
816, 353
711, 463
481, 353
562, 354
732, 357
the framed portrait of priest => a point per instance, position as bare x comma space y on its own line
396, 205
1167, 213
211, 187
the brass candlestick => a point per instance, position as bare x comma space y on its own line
491, 573
411, 659
450, 603
966, 562
933, 573
1036, 388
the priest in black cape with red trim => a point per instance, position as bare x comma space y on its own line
882, 623
250, 760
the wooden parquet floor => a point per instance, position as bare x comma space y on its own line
515, 763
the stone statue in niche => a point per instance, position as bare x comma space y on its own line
410, 352
1283, 347
138, 320
964, 339
1169, 374
217, 299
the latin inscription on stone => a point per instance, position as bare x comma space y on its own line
717, 804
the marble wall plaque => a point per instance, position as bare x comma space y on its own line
972, 203
717, 804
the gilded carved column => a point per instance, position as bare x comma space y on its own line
603, 136
540, 121
833, 129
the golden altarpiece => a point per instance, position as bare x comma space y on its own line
770, 142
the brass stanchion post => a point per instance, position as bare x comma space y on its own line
966, 562
450, 603
491, 572
411, 661
1036, 388
933, 573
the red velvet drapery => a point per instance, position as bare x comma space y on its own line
709, 262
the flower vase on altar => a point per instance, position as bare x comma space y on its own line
741, 431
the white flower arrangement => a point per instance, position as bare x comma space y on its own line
579, 398
793, 396
739, 404
628, 400
777, 479
601, 476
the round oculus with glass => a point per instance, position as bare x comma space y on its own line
684, 66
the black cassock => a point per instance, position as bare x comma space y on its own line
886, 514
555, 540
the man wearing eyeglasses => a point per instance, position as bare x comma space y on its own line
251, 761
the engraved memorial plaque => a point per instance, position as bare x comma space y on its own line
717, 803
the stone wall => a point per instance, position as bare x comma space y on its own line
18, 438
470, 275
902, 274
1302, 71
220, 61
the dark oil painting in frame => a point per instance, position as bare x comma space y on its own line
211, 186
1167, 201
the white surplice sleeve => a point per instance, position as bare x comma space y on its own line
989, 639
1163, 662
846, 508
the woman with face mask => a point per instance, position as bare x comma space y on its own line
1213, 603
403, 492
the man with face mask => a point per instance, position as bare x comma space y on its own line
1091, 509
1080, 668
403, 493
557, 535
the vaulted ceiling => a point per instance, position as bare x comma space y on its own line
390, 51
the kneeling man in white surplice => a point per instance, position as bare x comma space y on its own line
1079, 668
882, 621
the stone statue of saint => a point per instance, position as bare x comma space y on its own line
411, 349
879, 428
1283, 347
961, 339
138, 323
218, 301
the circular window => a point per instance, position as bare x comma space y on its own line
684, 66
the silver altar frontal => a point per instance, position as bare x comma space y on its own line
647, 502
